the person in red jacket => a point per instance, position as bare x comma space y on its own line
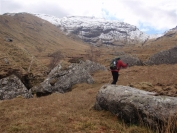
115, 73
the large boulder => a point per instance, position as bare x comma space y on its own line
132, 61
163, 57
61, 80
91, 66
11, 87
134, 105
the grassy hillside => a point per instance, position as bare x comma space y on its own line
34, 41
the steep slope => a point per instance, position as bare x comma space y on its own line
153, 46
39, 34
99, 31
165, 42
27, 44
169, 36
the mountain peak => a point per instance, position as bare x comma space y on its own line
173, 29
98, 30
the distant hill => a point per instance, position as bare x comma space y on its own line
168, 40
28, 44
99, 31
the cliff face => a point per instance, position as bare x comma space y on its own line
99, 31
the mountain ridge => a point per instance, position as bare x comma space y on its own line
98, 31
75, 24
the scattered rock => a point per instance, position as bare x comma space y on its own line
6, 60
60, 80
11, 87
163, 57
91, 66
132, 61
9, 40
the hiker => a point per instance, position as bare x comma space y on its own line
115, 66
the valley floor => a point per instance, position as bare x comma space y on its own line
73, 112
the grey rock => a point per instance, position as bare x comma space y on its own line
134, 106
61, 81
9, 39
163, 57
6, 60
102, 31
99, 31
11, 87
132, 61
91, 66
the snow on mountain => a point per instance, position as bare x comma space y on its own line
52, 19
155, 36
98, 30
171, 30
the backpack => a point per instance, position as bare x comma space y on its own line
114, 63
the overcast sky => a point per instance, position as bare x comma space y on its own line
150, 16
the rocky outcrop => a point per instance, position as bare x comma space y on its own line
171, 32
163, 57
91, 66
60, 80
134, 106
11, 87
98, 31
132, 61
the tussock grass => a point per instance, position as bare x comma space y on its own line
72, 111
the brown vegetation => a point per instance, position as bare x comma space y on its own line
72, 111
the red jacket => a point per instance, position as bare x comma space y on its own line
120, 65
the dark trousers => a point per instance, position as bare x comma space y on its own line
115, 76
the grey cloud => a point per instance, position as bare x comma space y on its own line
150, 13
44, 7
49, 8
138, 8
7, 6
54, 11
172, 14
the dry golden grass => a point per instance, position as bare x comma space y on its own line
72, 111
33, 38
66, 113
